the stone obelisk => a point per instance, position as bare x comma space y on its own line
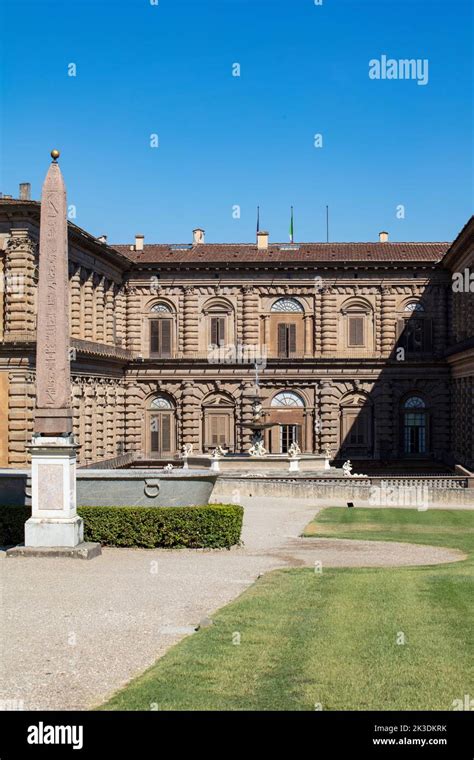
53, 377
54, 526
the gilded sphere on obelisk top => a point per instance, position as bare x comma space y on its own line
55, 155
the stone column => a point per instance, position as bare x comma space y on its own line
19, 284
439, 325
318, 303
248, 394
20, 418
250, 323
120, 419
134, 419
88, 322
99, 303
385, 417
110, 314
75, 301
378, 325
328, 321
266, 331
329, 418
120, 315
89, 404
389, 325
308, 335
308, 441
191, 322
190, 416
99, 414
134, 320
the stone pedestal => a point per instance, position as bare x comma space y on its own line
54, 522
294, 465
215, 466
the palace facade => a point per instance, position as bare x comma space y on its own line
365, 349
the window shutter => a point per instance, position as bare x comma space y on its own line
356, 331
221, 331
214, 431
428, 335
154, 336
299, 436
155, 434
222, 430
215, 331
165, 337
291, 339
282, 339
218, 429
400, 330
166, 432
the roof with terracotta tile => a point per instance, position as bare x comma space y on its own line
217, 253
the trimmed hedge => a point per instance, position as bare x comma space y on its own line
212, 525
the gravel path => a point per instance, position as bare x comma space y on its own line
74, 631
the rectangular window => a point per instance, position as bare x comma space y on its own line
160, 337
218, 331
286, 339
218, 429
356, 331
414, 335
358, 431
289, 434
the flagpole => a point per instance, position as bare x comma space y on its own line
327, 224
258, 219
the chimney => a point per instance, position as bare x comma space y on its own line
139, 239
25, 191
102, 238
262, 241
383, 237
198, 236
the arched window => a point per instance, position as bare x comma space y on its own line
415, 426
161, 329
161, 308
287, 306
357, 324
414, 306
219, 326
414, 328
287, 331
414, 402
287, 398
161, 425
161, 402
288, 423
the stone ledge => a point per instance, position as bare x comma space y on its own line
85, 550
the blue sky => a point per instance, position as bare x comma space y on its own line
166, 69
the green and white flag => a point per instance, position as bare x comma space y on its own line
291, 225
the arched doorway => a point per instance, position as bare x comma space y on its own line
415, 426
287, 415
160, 428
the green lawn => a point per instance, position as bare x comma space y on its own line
331, 638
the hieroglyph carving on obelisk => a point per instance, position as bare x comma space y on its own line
53, 377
